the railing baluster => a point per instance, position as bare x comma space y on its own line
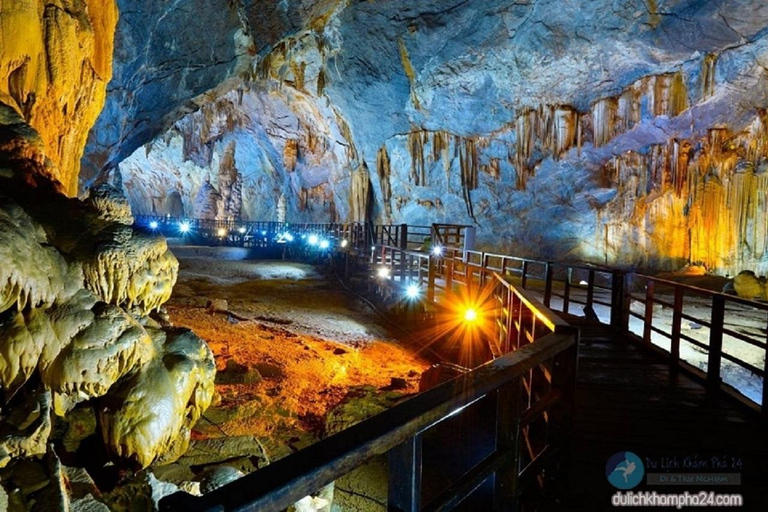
567, 290
404, 468
590, 289
547, 284
715, 355
648, 320
524, 280
677, 318
508, 410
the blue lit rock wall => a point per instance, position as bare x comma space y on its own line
617, 132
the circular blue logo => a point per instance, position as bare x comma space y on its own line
625, 470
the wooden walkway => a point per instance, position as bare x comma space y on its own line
628, 399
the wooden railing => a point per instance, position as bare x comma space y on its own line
700, 331
531, 392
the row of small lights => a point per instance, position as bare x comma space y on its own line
412, 291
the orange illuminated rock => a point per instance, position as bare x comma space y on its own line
55, 62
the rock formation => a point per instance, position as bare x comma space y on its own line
77, 284
629, 124
55, 62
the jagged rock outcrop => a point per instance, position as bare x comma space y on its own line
75, 281
55, 62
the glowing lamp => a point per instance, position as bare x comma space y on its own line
324, 244
263, 233
383, 272
437, 250
288, 237
470, 315
153, 224
221, 232
344, 243
583, 283
241, 230
184, 227
313, 240
412, 291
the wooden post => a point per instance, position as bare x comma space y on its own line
431, 278
449, 277
619, 301
674, 349
508, 409
524, 280
403, 235
590, 288
567, 290
648, 320
405, 476
715, 343
547, 284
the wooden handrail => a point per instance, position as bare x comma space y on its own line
549, 318
282, 483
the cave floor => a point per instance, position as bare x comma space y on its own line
290, 346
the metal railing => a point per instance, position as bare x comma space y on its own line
532, 392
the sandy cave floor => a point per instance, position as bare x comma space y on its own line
310, 341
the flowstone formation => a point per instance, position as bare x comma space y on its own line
639, 126
55, 61
77, 286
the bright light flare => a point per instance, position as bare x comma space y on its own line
241, 230
313, 240
324, 244
153, 225
344, 243
383, 272
470, 315
412, 292
221, 233
437, 250
288, 237
184, 227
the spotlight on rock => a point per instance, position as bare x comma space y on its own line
184, 227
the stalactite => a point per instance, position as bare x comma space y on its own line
359, 195
708, 75
290, 154
321, 82
416, 141
603, 121
384, 172
704, 202
525, 126
468, 164
669, 94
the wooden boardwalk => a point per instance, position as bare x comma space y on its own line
628, 399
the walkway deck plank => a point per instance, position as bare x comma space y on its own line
628, 398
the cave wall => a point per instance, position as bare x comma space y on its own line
627, 133
55, 62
